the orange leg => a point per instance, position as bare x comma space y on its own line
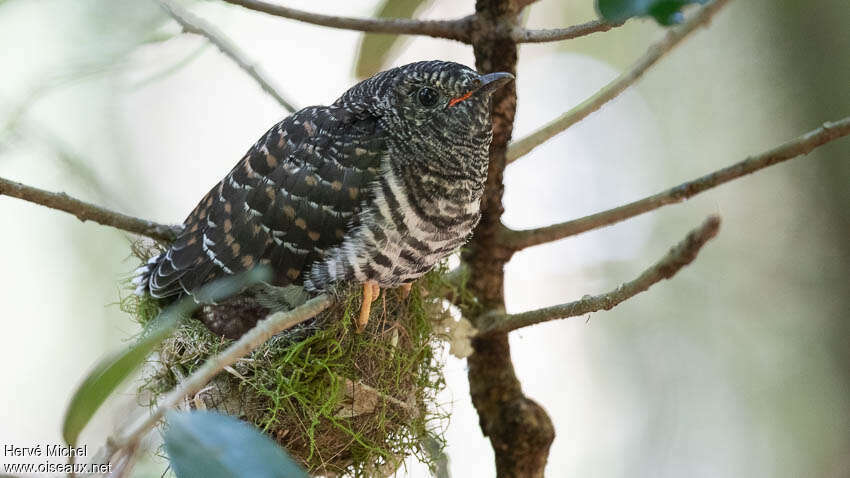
405, 289
371, 292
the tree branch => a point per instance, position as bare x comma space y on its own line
450, 29
655, 52
199, 26
804, 144
263, 331
679, 256
88, 212
524, 35
519, 429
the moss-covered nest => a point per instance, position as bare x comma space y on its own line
341, 403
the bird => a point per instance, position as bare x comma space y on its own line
377, 188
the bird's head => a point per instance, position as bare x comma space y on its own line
430, 101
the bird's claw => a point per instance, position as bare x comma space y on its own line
371, 292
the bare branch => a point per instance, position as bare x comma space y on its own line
199, 26
450, 29
804, 144
655, 52
263, 331
88, 212
126, 462
524, 35
364, 399
679, 256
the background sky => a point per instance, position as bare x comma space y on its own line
736, 367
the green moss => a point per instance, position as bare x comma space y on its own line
340, 402
143, 309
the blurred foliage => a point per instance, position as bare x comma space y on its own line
111, 371
376, 50
665, 12
85, 55
212, 445
815, 41
169, 70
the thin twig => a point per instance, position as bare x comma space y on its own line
524, 35
353, 388
804, 144
198, 26
88, 212
20, 128
450, 29
655, 52
679, 256
263, 331
126, 463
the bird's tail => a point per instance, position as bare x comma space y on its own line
142, 279
280, 299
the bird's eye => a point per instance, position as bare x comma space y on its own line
428, 97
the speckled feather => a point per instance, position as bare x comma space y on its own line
375, 187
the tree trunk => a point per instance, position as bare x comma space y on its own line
519, 429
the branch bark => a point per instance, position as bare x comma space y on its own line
519, 429
830, 131
449, 29
88, 212
199, 26
524, 35
621, 83
679, 256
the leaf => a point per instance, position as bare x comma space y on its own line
211, 445
665, 12
111, 371
376, 49
434, 449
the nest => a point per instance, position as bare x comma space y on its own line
339, 402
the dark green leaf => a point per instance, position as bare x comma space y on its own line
112, 370
377, 49
212, 445
666, 12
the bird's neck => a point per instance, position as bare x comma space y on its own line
448, 177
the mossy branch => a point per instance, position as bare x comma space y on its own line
89, 212
655, 52
679, 256
830, 131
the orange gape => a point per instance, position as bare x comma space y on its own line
457, 100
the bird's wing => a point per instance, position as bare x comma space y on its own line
295, 194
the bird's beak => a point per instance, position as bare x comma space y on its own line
493, 81
489, 83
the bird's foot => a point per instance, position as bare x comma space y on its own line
405, 289
371, 292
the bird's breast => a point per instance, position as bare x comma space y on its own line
410, 224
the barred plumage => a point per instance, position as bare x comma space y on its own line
377, 188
